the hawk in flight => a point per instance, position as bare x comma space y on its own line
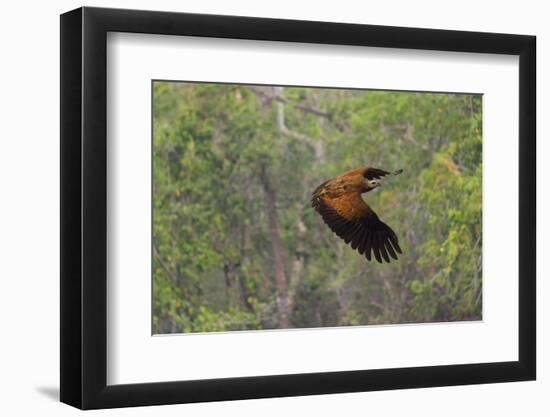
342, 208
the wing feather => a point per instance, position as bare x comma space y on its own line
390, 249
363, 241
376, 248
354, 235
382, 244
368, 246
377, 173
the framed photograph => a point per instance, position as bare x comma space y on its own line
256, 208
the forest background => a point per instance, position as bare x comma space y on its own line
236, 245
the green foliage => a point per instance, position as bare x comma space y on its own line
220, 152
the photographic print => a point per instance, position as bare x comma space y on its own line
278, 207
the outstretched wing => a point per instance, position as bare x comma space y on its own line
357, 224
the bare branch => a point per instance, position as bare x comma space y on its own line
277, 97
281, 121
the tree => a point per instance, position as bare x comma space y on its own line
235, 243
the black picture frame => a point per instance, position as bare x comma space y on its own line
84, 207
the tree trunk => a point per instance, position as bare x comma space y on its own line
298, 263
283, 303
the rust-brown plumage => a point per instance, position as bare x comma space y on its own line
342, 208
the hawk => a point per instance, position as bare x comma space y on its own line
342, 208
